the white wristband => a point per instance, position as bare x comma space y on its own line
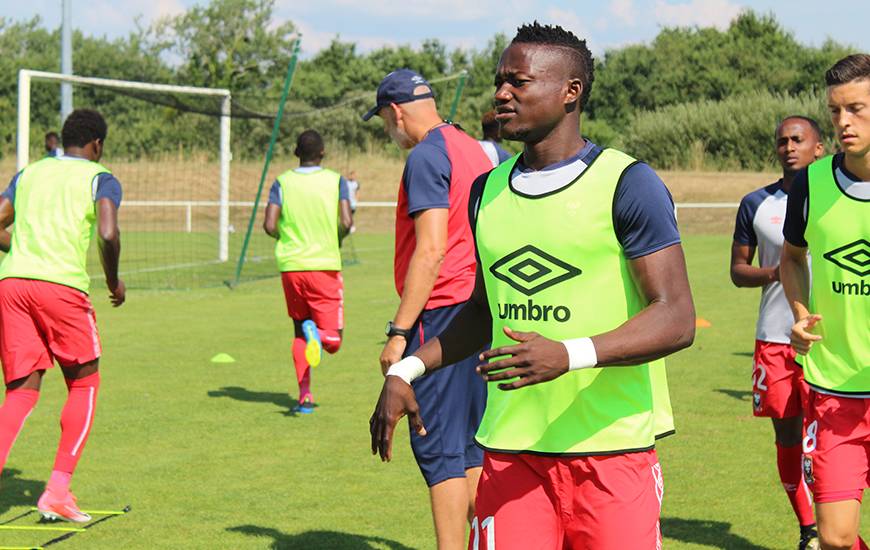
581, 353
408, 369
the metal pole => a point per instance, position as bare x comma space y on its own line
459, 87
226, 156
66, 91
288, 81
22, 152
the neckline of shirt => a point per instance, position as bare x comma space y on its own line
553, 177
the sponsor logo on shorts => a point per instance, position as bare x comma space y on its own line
756, 401
530, 270
853, 257
808, 470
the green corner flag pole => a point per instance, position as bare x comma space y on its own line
459, 87
288, 81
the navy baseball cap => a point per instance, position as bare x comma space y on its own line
399, 87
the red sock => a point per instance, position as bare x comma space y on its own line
330, 340
788, 460
303, 371
860, 544
76, 420
13, 413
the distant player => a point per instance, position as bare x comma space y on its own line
434, 275
353, 190
51, 141
582, 287
828, 215
45, 312
778, 388
308, 208
491, 139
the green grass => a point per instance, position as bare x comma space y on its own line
210, 456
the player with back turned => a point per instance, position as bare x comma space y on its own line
778, 388
828, 216
45, 313
582, 286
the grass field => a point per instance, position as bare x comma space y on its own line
211, 456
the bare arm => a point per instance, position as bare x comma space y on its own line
795, 274
665, 325
7, 218
430, 229
270, 223
110, 248
743, 273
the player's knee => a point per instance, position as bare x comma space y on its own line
331, 340
833, 538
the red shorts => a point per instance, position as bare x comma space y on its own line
837, 447
41, 322
533, 502
778, 387
315, 295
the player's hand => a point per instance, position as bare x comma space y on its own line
392, 353
534, 359
801, 337
118, 294
397, 400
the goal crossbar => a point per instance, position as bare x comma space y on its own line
25, 76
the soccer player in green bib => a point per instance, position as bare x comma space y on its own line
582, 287
57, 204
828, 216
308, 209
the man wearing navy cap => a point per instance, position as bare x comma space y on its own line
434, 273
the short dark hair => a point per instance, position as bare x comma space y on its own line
813, 124
83, 126
309, 145
489, 125
583, 66
850, 68
51, 134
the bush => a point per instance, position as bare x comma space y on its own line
735, 133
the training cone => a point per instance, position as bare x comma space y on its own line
700, 322
223, 358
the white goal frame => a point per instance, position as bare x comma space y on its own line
25, 76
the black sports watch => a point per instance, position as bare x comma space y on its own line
393, 330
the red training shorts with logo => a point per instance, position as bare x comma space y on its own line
41, 322
837, 446
315, 295
778, 386
531, 502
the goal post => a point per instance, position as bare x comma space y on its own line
26, 76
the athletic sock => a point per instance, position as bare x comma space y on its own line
860, 544
788, 461
76, 420
303, 370
59, 482
13, 413
330, 340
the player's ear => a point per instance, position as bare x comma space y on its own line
820, 150
573, 92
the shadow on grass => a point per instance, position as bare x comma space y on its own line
282, 400
711, 533
15, 491
317, 539
740, 395
743, 353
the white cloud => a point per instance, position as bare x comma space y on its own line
568, 20
624, 11
444, 10
701, 13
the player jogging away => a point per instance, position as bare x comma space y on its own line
45, 313
778, 388
582, 287
828, 216
308, 209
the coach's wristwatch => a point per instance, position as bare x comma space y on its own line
393, 330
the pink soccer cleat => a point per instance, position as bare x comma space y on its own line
64, 507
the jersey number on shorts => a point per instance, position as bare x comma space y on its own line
759, 382
488, 525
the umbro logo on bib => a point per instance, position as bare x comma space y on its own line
531, 270
853, 257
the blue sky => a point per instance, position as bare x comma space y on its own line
470, 23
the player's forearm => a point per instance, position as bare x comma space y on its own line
423, 271
660, 329
745, 275
795, 277
110, 257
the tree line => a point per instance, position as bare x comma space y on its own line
665, 101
